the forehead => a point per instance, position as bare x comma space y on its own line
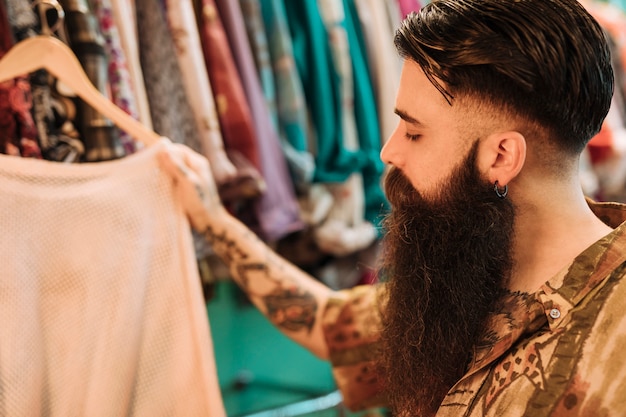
419, 98
416, 94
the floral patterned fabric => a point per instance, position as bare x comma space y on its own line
18, 135
120, 83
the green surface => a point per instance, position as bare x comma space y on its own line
258, 367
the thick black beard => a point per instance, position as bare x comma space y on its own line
446, 260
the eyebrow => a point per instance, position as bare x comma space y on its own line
406, 117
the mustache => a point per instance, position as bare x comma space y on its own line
399, 190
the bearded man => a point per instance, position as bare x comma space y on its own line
502, 290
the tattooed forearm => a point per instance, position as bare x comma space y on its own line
244, 271
226, 248
292, 309
287, 305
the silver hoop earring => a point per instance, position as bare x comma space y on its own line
501, 192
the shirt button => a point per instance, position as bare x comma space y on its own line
555, 313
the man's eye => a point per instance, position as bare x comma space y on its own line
412, 137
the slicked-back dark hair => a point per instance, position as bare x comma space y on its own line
546, 61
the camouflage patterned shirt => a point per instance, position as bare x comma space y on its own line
555, 353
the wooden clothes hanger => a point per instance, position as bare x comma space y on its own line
49, 53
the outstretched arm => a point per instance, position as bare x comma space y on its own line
291, 299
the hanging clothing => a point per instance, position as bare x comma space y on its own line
182, 22
613, 20
408, 6
18, 134
366, 119
333, 163
122, 93
334, 18
8, 127
170, 110
20, 99
99, 135
21, 18
291, 107
383, 60
394, 14
125, 19
607, 149
618, 3
235, 117
232, 107
277, 211
52, 113
344, 230
101, 305
259, 45
257, 37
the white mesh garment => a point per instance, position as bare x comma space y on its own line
101, 310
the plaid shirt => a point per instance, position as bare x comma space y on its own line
557, 352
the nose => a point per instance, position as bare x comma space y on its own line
390, 153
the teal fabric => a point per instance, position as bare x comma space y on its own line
290, 102
258, 367
366, 118
312, 53
619, 3
334, 163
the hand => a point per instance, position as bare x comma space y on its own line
194, 182
222, 168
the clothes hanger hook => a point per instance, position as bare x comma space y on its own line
42, 7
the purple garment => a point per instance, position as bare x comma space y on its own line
408, 6
278, 212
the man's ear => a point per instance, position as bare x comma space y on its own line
502, 156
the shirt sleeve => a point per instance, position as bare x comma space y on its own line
352, 325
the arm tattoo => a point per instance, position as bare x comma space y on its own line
292, 309
288, 306
225, 247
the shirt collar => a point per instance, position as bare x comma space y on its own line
566, 289
525, 313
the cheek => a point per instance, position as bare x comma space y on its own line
428, 177
423, 175
426, 165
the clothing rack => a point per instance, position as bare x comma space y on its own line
48, 52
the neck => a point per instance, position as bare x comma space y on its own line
550, 231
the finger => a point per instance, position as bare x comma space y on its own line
190, 192
199, 170
198, 163
172, 163
167, 164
